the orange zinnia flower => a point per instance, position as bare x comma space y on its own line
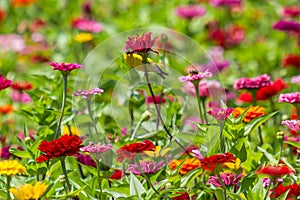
6, 109
252, 113
20, 3
188, 165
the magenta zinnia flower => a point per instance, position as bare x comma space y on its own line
296, 79
217, 3
87, 25
253, 83
220, 113
66, 68
293, 124
195, 76
85, 159
227, 178
293, 97
190, 11
96, 148
292, 11
217, 62
87, 93
4, 83
147, 166
288, 26
139, 43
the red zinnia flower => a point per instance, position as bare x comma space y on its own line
2, 15
158, 100
21, 86
294, 190
118, 174
129, 151
275, 171
184, 196
64, 146
211, 162
4, 83
291, 60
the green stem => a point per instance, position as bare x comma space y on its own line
223, 185
222, 145
254, 94
99, 179
135, 129
204, 109
65, 82
199, 104
8, 179
297, 110
63, 166
281, 143
260, 136
88, 104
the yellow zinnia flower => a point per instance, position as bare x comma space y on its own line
11, 167
83, 37
28, 191
157, 152
73, 130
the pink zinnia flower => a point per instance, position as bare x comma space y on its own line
86, 160
66, 68
22, 97
11, 42
253, 83
96, 148
220, 113
217, 62
157, 99
190, 11
288, 26
296, 79
227, 178
87, 25
4, 83
87, 93
207, 88
147, 166
217, 3
195, 76
139, 43
293, 97
292, 11
293, 124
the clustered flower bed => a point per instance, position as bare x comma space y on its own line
156, 125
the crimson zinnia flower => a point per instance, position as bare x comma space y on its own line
4, 83
275, 171
291, 60
65, 68
129, 151
21, 86
294, 190
211, 162
67, 145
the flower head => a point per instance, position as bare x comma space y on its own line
295, 79
140, 44
118, 174
275, 171
291, 60
6, 109
87, 25
65, 67
195, 76
220, 113
66, 145
211, 162
187, 165
294, 190
11, 42
4, 83
252, 113
21, 86
287, 26
253, 83
294, 125
11, 167
207, 88
96, 148
87, 93
190, 11
22, 3
217, 3
129, 151
227, 178
291, 11
83, 37
4, 152
19, 96
85, 159
147, 166
293, 97
29, 191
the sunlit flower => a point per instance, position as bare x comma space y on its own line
4, 83
292, 124
252, 113
253, 83
294, 190
87, 93
65, 67
21, 3
66, 145
195, 76
138, 44
291, 60
293, 97
190, 11
275, 171
72, 130
217, 3
227, 178
29, 191
11, 167
147, 166
85, 159
83, 37
188, 165
220, 113
87, 25
211, 162
130, 150
288, 26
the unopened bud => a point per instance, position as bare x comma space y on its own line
146, 116
280, 135
27, 139
62, 179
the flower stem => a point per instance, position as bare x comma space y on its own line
65, 82
8, 179
99, 179
260, 136
223, 185
281, 143
204, 110
88, 104
135, 129
63, 166
222, 145
199, 104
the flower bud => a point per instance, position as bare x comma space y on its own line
280, 136
146, 116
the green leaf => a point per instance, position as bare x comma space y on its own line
294, 144
19, 153
136, 187
271, 158
192, 175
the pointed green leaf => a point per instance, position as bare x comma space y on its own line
271, 158
136, 187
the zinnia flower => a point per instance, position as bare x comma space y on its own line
294, 190
72, 130
252, 113
66, 145
22, 97
275, 171
253, 83
294, 125
295, 79
97, 149
188, 165
6, 109
11, 42
22, 3
181, 196
291, 60
83, 37
87, 93
157, 100
86, 160
195, 76
87, 25
129, 151
211, 162
139, 44
65, 67
207, 88
11, 167
293, 97
147, 166
227, 178
4, 83
217, 62
21, 86
118, 174
29, 191
287, 26
217, 3
220, 113
4, 152
291, 11
190, 11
